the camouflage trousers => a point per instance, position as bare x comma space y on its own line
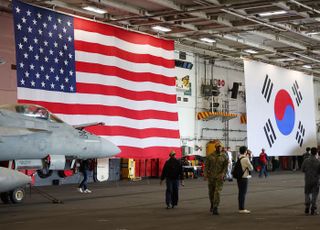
215, 186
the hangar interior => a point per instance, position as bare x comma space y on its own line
212, 37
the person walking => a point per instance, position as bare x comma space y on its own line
84, 168
243, 181
263, 161
311, 169
229, 156
215, 169
307, 154
172, 172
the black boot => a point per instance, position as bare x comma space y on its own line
306, 211
211, 207
215, 211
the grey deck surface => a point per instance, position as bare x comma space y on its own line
275, 202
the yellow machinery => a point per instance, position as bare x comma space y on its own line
127, 168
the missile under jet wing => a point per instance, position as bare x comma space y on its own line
17, 179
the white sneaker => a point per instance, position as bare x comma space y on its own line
87, 191
245, 211
80, 190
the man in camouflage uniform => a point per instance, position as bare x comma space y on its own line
215, 170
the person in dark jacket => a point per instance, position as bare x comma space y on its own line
172, 172
307, 154
84, 168
311, 169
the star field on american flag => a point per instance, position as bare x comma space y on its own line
45, 50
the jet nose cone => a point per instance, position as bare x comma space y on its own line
116, 150
109, 148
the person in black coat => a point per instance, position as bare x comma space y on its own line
311, 169
172, 172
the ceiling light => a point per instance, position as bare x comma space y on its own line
284, 59
267, 14
161, 28
94, 9
209, 40
307, 66
250, 51
313, 33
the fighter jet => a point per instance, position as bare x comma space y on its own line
33, 137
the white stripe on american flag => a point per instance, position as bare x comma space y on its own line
125, 84
93, 99
119, 121
147, 142
122, 64
114, 41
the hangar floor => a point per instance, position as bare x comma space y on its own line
275, 202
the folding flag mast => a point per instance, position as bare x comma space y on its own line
86, 71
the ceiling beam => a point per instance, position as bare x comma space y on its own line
305, 6
205, 52
142, 12
286, 7
213, 45
246, 42
278, 38
120, 6
64, 5
171, 4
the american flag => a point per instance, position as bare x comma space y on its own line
85, 71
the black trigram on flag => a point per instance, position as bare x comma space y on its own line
297, 93
269, 132
267, 88
300, 134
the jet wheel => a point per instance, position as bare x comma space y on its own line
17, 195
4, 196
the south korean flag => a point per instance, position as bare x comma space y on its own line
280, 109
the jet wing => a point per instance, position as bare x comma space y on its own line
13, 131
82, 126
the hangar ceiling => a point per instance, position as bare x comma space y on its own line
284, 33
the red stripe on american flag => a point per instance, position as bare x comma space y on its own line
124, 55
130, 132
124, 93
80, 109
124, 74
152, 152
126, 35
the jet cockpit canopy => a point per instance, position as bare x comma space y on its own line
31, 110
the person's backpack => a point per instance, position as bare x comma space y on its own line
237, 171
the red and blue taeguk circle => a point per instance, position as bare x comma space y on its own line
284, 112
